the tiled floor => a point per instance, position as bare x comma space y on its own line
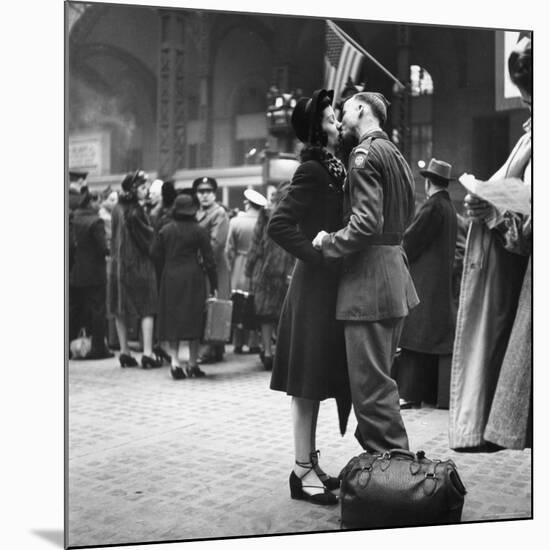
152, 459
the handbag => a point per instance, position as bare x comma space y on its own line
398, 489
80, 347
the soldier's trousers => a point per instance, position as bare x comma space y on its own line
370, 348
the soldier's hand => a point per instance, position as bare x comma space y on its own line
318, 240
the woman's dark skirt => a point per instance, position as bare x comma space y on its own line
310, 358
182, 299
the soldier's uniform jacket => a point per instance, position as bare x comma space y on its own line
216, 222
378, 206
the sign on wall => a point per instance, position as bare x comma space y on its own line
90, 152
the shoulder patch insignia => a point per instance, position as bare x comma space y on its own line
360, 160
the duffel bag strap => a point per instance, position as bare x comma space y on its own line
430, 481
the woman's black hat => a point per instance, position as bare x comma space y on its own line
306, 113
184, 205
133, 180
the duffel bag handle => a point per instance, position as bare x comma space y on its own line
399, 452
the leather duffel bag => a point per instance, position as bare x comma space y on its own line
398, 489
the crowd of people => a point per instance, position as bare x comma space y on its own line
151, 254
376, 305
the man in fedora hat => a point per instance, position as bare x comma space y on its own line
428, 334
215, 219
376, 291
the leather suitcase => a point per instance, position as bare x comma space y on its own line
244, 315
217, 329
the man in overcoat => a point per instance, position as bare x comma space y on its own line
77, 188
376, 291
428, 334
215, 219
88, 276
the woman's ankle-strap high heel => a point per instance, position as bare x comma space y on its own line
161, 355
297, 492
126, 360
177, 372
331, 483
150, 362
194, 370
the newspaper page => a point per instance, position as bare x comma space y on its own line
506, 194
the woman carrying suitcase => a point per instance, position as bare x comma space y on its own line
182, 292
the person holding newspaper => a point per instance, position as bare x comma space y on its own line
491, 402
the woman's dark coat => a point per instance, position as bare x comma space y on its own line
132, 284
310, 358
89, 268
430, 243
182, 292
269, 267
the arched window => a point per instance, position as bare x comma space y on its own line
421, 105
421, 81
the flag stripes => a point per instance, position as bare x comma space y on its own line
342, 60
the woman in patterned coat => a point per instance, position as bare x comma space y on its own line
132, 281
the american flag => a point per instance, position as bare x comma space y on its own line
342, 59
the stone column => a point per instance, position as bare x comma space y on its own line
170, 113
204, 35
402, 97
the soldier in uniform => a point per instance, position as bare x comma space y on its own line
215, 219
375, 291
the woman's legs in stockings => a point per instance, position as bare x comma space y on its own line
122, 334
267, 334
147, 324
313, 446
194, 347
304, 421
173, 352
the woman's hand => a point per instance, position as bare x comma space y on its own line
477, 208
213, 294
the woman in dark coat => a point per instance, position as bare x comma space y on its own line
310, 362
268, 266
160, 215
182, 284
132, 285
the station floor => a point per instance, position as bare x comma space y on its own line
151, 459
